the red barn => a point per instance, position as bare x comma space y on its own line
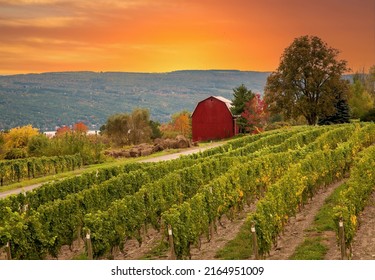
212, 119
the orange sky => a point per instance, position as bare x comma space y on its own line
167, 35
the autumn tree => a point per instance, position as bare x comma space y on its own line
80, 127
63, 130
19, 137
241, 95
16, 141
308, 81
180, 124
256, 114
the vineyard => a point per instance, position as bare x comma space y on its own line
185, 199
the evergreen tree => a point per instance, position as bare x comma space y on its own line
340, 116
241, 95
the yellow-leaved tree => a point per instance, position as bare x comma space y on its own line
19, 137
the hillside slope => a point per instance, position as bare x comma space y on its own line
53, 99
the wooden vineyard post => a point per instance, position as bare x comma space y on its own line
171, 243
212, 224
7, 247
342, 239
89, 246
255, 242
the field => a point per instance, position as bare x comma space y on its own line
260, 196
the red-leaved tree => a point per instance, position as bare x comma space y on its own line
80, 127
256, 114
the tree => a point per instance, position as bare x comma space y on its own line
139, 126
155, 130
80, 127
38, 145
117, 128
308, 80
255, 114
360, 101
341, 115
62, 130
19, 137
241, 95
125, 129
181, 123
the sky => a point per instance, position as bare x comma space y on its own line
166, 35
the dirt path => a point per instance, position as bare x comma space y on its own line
293, 235
155, 159
294, 232
364, 240
20, 190
225, 232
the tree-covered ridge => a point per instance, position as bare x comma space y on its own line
56, 99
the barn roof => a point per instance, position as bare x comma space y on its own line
226, 101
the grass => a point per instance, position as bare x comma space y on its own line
313, 247
239, 248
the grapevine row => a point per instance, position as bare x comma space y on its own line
197, 215
15, 170
284, 198
353, 198
151, 201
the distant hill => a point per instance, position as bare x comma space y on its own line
62, 98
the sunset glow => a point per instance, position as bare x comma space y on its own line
167, 35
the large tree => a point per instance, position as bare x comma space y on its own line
129, 129
308, 80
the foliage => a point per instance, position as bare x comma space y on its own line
255, 113
38, 145
353, 199
190, 193
19, 137
125, 129
370, 82
341, 114
369, 116
241, 96
155, 128
93, 96
360, 100
61, 131
18, 169
180, 124
308, 80
15, 153
80, 127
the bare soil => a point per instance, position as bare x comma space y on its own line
364, 240
295, 232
